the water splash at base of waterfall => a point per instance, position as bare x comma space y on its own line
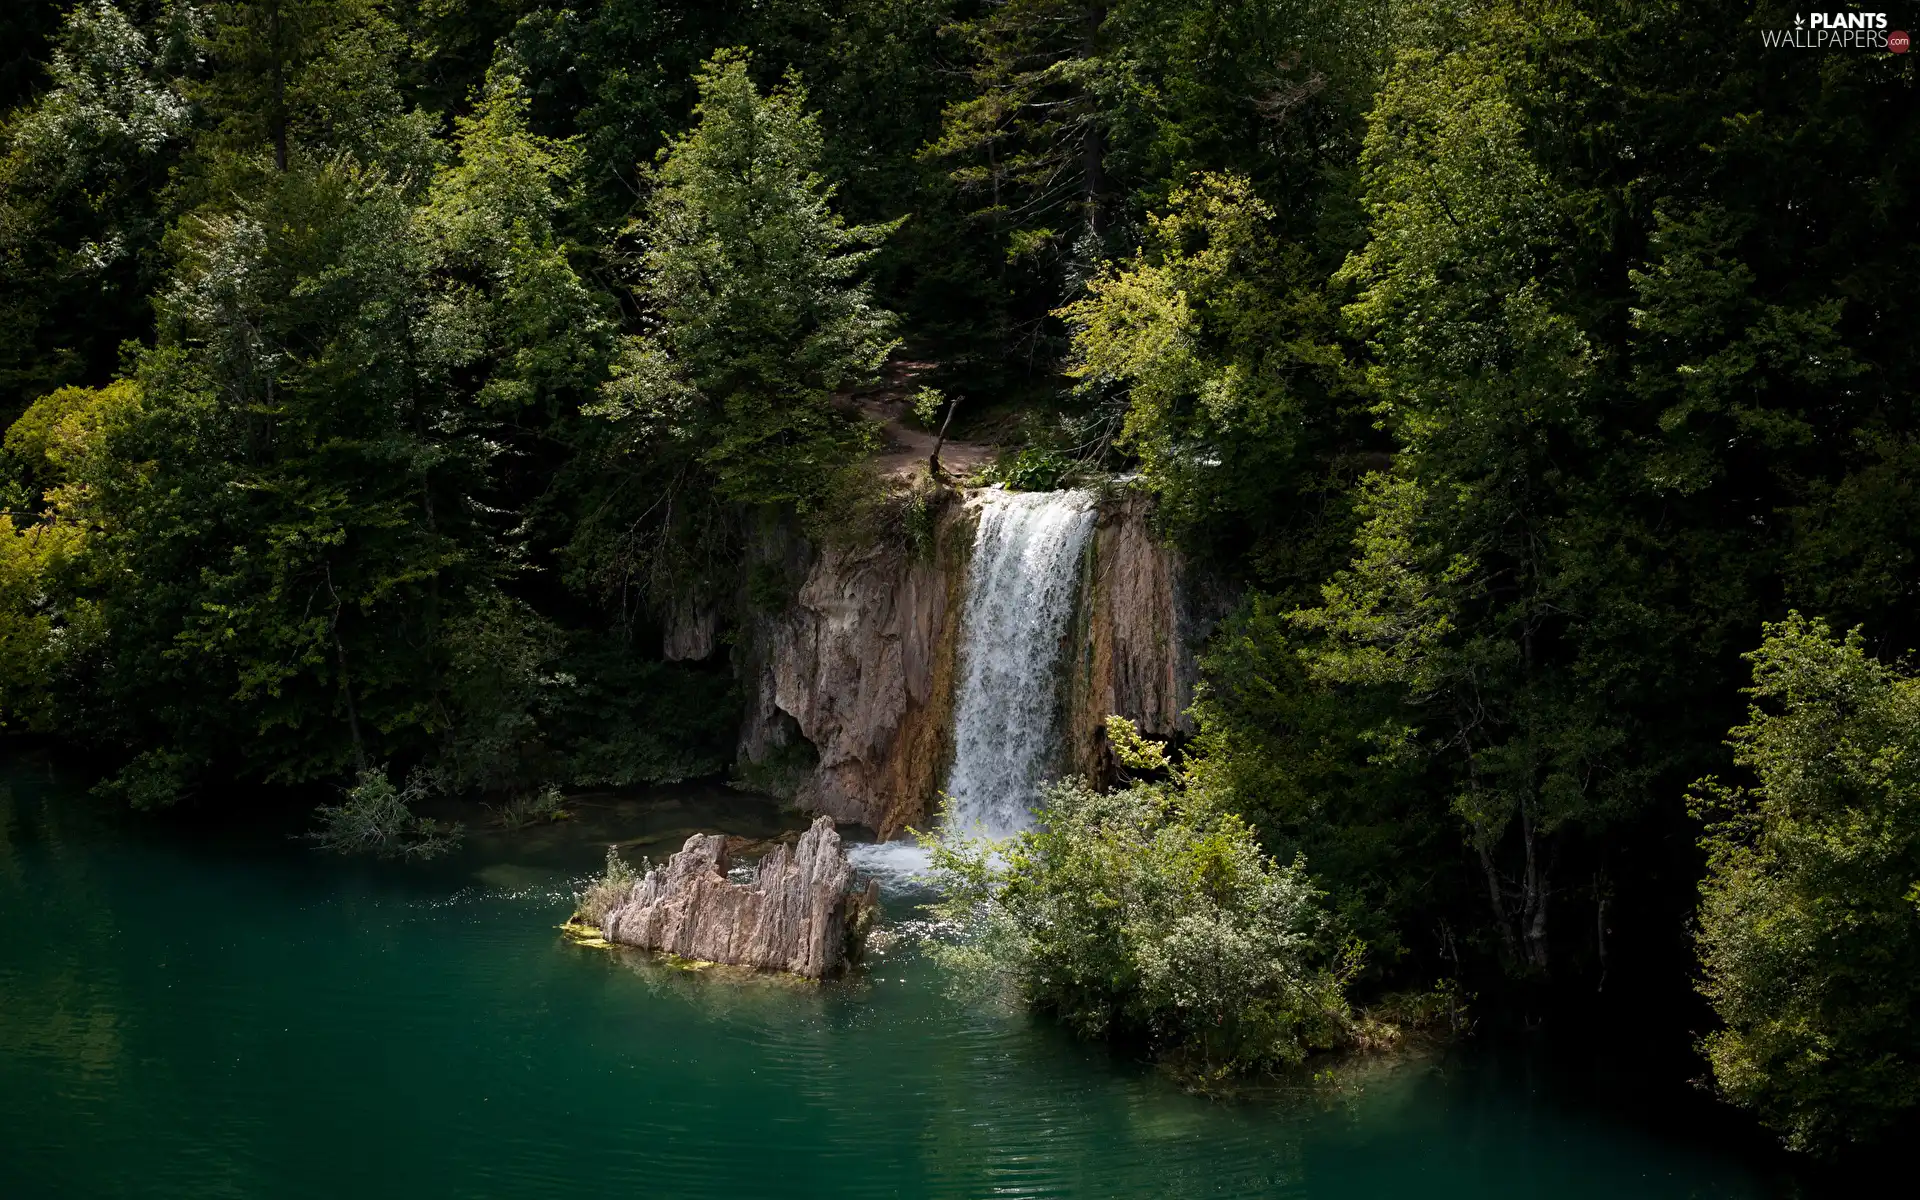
1021, 585
902, 867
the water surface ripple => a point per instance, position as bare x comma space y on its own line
182, 1017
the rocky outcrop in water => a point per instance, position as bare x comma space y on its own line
798, 914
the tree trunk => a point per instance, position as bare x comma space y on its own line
277, 47
1093, 146
1496, 898
1533, 907
933, 460
346, 688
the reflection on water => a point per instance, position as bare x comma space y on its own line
198, 1017
651, 826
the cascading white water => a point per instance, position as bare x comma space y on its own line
1021, 586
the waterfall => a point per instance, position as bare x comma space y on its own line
1021, 586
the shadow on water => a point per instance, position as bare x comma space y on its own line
203, 1010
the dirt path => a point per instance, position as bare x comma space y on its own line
906, 447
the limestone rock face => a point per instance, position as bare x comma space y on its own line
861, 666
795, 916
1140, 620
857, 673
690, 631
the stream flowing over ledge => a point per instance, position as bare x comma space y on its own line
855, 678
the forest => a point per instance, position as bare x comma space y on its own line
1540, 376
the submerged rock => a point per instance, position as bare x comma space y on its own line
799, 913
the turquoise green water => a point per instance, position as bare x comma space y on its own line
237, 1016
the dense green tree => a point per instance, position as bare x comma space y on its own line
289, 83
619, 75
1216, 351
296, 506
1308, 766
81, 214
1052, 76
1513, 363
1614, 426
755, 284
755, 310
34, 558
1148, 912
879, 73
1459, 566
1810, 912
1082, 115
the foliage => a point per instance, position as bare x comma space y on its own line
753, 285
926, 404
1323, 771
1809, 928
754, 313
1550, 575
541, 806
375, 817
1220, 343
1082, 115
1030, 469
82, 170
32, 631
385, 378
289, 521
597, 896
502, 688
919, 517
1146, 913
1133, 751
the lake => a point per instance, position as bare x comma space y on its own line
210, 1013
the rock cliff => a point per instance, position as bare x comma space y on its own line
851, 681
1134, 638
690, 631
860, 666
798, 914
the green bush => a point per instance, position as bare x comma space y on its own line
1031, 469
538, 807
1145, 913
1810, 913
597, 895
504, 687
378, 818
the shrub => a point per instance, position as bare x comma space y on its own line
597, 895
537, 807
378, 818
1031, 469
1146, 913
926, 404
504, 687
